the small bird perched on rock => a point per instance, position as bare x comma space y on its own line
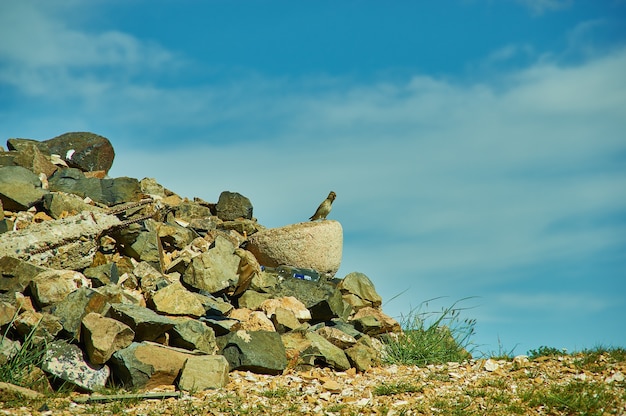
324, 209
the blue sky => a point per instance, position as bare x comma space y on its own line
477, 147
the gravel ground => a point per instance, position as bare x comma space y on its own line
482, 387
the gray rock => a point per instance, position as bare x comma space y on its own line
193, 335
214, 306
325, 352
68, 243
358, 291
103, 336
52, 286
176, 300
191, 211
59, 204
110, 191
67, 362
257, 351
214, 270
204, 373
312, 245
86, 151
102, 275
16, 274
76, 305
147, 324
232, 205
146, 365
20, 188
221, 325
323, 301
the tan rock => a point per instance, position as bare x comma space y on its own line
284, 320
176, 300
312, 245
52, 286
203, 373
7, 313
337, 337
288, 302
104, 336
372, 321
165, 361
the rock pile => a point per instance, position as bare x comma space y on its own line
126, 282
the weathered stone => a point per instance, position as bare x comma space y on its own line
323, 301
312, 245
68, 243
190, 211
233, 205
61, 204
43, 326
358, 291
337, 337
67, 362
242, 226
221, 325
109, 191
144, 244
103, 336
19, 145
117, 294
76, 305
285, 320
289, 303
150, 186
7, 313
8, 349
16, 274
214, 270
102, 275
174, 237
86, 151
147, 324
260, 351
193, 335
176, 300
33, 159
373, 322
8, 390
214, 306
150, 278
255, 321
252, 299
52, 286
326, 353
146, 365
203, 373
20, 188
362, 356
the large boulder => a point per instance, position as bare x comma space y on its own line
358, 291
86, 151
312, 245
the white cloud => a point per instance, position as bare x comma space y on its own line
541, 6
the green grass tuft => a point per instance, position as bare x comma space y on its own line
431, 337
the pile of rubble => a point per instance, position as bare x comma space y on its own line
128, 283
